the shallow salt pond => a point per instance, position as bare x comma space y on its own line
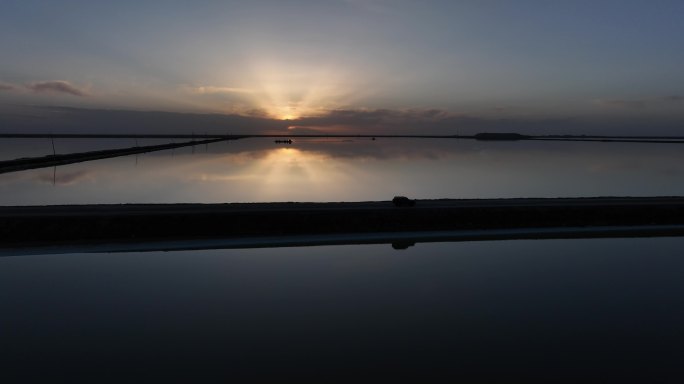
258, 170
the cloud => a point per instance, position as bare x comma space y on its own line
413, 121
339, 121
82, 120
210, 90
56, 86
640, 103
443, 122
375, 117
7, 87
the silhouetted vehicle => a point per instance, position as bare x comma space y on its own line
402, 244
403, 201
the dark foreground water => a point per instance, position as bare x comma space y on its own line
504, 311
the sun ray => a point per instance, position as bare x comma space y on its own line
289, 91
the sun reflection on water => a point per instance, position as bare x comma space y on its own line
293, 172
280, 174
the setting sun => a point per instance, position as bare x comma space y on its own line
288, 115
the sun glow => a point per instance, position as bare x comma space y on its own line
289, 91
288, 116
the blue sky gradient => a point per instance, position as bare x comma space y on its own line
525, 60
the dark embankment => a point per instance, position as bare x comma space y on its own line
71, 158
97, 223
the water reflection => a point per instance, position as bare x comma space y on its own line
505, 311
336, 170
270, 175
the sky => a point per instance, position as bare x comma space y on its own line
432, 66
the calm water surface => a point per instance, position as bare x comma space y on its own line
479, 311
253, 170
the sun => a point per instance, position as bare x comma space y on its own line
285, 111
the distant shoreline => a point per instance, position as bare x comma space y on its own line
483, 136
29, 226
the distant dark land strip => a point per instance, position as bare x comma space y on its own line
92, 224
79, 157
478, 136
611, 140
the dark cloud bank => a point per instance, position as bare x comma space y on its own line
379, 121
440, 122
78, 120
